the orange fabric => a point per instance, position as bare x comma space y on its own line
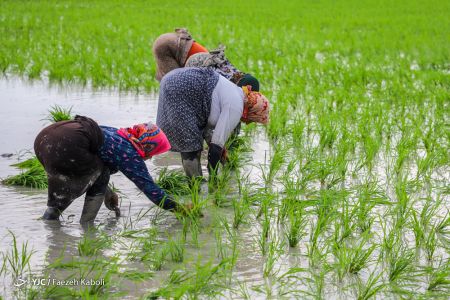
196, 48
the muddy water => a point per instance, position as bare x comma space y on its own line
24, 108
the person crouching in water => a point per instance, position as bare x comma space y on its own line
79, 156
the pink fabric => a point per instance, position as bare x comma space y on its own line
148, 139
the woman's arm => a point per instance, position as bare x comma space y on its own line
229, 99
231, 105
119, 155
136, 170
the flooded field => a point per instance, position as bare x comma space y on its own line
254, 240
25, 108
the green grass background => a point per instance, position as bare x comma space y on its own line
108, 43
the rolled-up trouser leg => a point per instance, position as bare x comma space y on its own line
191, 163
95, 196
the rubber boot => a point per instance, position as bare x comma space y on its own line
191, 164
51, 213
91, 207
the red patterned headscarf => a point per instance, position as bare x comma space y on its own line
256, 107
148, 139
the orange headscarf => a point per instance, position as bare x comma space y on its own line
256, 107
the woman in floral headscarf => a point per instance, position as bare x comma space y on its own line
192, 101
79, 156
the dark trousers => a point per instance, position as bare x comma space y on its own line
68, 152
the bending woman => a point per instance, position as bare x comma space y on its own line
194, 100
179, 49
79, 156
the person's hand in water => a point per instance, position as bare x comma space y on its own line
188, 209
112, 201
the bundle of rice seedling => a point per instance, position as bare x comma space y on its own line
33, 175
174, 182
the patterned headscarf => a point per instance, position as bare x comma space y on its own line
148, 139
256, 107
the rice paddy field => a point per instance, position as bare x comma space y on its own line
345, 194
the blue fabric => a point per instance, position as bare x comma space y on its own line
118, 154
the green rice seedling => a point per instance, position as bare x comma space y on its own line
327, 131
28, 163
17, 260
174, 182
360, 257
439, 278
266, 289
135, 275
241, 209
390, 239
175, 279
274, 252
148, 241
404, 148
32, 175
400, 265
431, 244
237, 147
267, 214
230, 249
218, 186
351, 259
317, 254
442, 227
427, 164
289, 282
296, 224
418, 230
220, 245
203, 280
191, 225
371, 287
58, 113
3, 268
159, 258
91, 244
96, 269
369, 196
243, 292
344, 227
316, 283
176, 248
325, 214
277, 161
198, 202
403, 203
277, 127
429, 210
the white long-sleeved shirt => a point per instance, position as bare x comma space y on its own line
226, 110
